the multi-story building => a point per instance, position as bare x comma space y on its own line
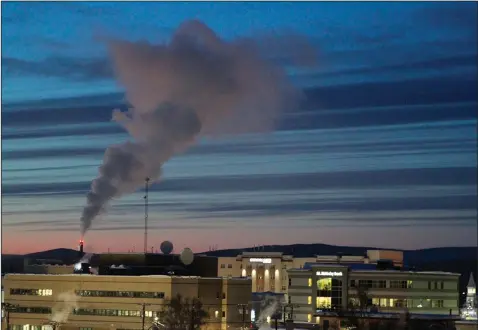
117, 302
317, 287
268, 270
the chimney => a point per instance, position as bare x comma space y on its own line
80, 248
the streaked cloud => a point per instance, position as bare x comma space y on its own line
383, 147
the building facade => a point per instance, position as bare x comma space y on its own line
268, 270
117, 302
319, 287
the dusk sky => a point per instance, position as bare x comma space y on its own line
381, 152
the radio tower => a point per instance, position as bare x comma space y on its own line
146, 186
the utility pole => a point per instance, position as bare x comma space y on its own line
146, 186
7, 308
243, 308
143, 314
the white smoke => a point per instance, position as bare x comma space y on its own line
269, 307
67, 302
197, 85
85, 259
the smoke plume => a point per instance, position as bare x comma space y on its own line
67, 302
269, 307
196, 85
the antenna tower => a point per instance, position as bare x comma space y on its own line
146, 186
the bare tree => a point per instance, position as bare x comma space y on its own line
355, 316
183, 314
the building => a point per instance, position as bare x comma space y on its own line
268, 270
128, 264
469, 310
321, 287
117, 302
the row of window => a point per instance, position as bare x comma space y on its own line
125, 294
90, 293
394, 284
85, 311
29, 327
32, 292
110, 312
34, 310
44, 327
272, 277
409, 303
249, 267
436, 285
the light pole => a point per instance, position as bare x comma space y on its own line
7, 308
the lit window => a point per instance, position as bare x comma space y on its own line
216, 314
324, 302
309, 300
310, 282
309, 317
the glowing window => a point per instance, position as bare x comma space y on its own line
324, 302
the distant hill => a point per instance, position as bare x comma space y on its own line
59, 254
411, 257
461, 260
309, 250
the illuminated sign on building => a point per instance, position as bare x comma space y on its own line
329, 274
261, 260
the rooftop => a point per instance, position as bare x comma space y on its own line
130, 276
363, 268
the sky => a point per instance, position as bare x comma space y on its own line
381, 152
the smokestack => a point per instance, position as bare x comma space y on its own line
196, 85
80, 248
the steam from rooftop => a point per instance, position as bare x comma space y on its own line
197, 85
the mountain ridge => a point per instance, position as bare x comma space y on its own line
297, 250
